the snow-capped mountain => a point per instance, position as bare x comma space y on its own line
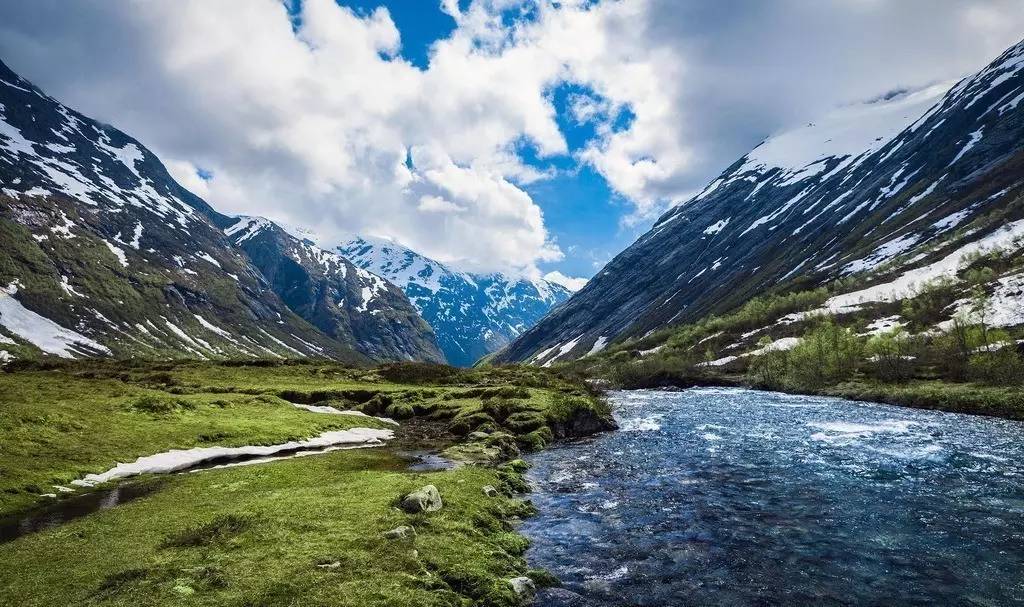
105, 254
895, 191
346, 302
473, 315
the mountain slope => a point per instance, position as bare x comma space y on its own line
867, 193
473, 315
105, 254
347, 303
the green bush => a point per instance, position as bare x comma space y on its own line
999, 367
894, 355
160, 405
826, 355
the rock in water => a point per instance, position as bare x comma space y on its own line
524, 588
424, 499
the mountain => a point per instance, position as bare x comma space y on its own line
885, 195
349, 304
105, 254
473, 315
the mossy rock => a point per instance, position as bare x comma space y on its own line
464, 423
524, 422
399, 411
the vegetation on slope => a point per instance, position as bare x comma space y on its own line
935, 349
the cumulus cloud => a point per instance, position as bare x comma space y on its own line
573, 284
316, 119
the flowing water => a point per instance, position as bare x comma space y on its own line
740, 497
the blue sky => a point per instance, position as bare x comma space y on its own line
582, 213
516, 135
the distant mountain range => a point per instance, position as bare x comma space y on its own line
105, 254
874, 200
472, 314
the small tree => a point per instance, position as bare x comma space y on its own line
894, 354
826, 355
769, 369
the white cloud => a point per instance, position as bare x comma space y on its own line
323, 123
436, 204
573, 284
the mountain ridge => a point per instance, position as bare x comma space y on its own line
765, 222
106, 254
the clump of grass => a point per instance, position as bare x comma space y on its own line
218, 530
160, 405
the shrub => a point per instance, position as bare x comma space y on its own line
422, 373
1001, 367
219, 529
826, 355
769, 370
894, 355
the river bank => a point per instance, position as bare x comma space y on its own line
315, 525
1005, 402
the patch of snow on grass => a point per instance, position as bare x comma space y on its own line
332, 411
598, 345
907, 283
181, 459
118, 253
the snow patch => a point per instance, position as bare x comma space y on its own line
181, 459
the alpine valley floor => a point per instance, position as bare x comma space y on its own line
305, 530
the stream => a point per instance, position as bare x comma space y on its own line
740, 497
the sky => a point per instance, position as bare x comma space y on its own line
537, 137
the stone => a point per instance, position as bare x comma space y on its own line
404, 532
424, 499
490, 491
524, 588
478, 435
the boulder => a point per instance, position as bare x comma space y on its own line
400, 533
424, 499
524, 588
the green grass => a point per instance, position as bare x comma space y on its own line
61, 423
55, 427
1006, 402
306, 531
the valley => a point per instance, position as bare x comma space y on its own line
800, 382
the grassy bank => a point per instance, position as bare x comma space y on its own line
62, 422
306, 531
302, 531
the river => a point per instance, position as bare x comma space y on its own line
740, 497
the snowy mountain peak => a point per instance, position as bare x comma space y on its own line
472, 314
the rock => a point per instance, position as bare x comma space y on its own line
424, 499
334, 565
478, 435
404, 532
560, 597
518, 465
524, 588
490, 491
